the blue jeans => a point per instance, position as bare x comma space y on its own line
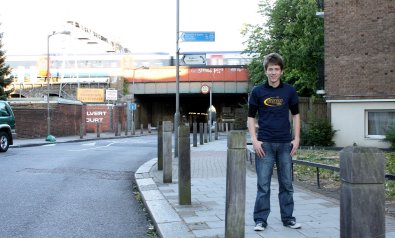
278, 153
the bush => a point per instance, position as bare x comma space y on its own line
390, 169
317, 133
390, 136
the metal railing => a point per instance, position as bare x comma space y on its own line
318, 166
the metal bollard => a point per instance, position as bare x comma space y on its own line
216, 131
82, 130
201, 132
98, 128
235, 185
184, 166
118, 129
205, 133
194, 125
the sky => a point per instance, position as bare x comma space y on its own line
140, 26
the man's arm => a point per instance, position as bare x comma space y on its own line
257, 145
295, 142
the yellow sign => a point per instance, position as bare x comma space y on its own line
90, 94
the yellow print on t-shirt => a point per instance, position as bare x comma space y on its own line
273, 102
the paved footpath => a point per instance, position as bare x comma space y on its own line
319, 215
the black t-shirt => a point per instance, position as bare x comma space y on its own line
273, 105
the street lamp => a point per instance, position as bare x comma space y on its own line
49, 137
133, 104
177, 113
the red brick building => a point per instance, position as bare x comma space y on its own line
359, 69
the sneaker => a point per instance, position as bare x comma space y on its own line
293, 225
259, 227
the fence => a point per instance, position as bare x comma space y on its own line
318, 166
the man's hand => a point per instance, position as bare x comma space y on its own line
295, 146
258, 148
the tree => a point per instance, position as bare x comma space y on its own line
5, 74
293, 30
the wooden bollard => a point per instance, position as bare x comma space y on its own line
201, 132
235, 185
160, 146
194, 125
98, 129
167, 152
362, 194
184, 166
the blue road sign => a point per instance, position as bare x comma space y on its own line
132, 106
198, 36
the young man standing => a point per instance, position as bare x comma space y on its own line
273, 143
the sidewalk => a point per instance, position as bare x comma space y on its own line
319, 215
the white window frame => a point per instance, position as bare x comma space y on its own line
378, 137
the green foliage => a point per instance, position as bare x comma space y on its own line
330, 157
294, 31
390, 136
390, 169
125, 86
5, 71
317, 133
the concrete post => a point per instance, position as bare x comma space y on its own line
160, 146
227, 127
98, 129
205, 132
149, 128
126, 128
235, 185
201, 132
141, 128
82, 130
184, 166
194, 125
362, 197
167, 151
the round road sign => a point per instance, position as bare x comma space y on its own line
205, 89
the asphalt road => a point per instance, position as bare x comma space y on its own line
82, 189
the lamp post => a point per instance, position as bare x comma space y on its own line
133, 108
177, 113
47, 78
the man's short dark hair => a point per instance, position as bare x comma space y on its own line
273, 58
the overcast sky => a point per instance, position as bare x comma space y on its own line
141, 26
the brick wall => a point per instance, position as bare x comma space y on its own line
359, 49
109, 117
31, 119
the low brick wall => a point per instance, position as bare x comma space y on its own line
31, 119
66, 118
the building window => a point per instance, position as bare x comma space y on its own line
378, 122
